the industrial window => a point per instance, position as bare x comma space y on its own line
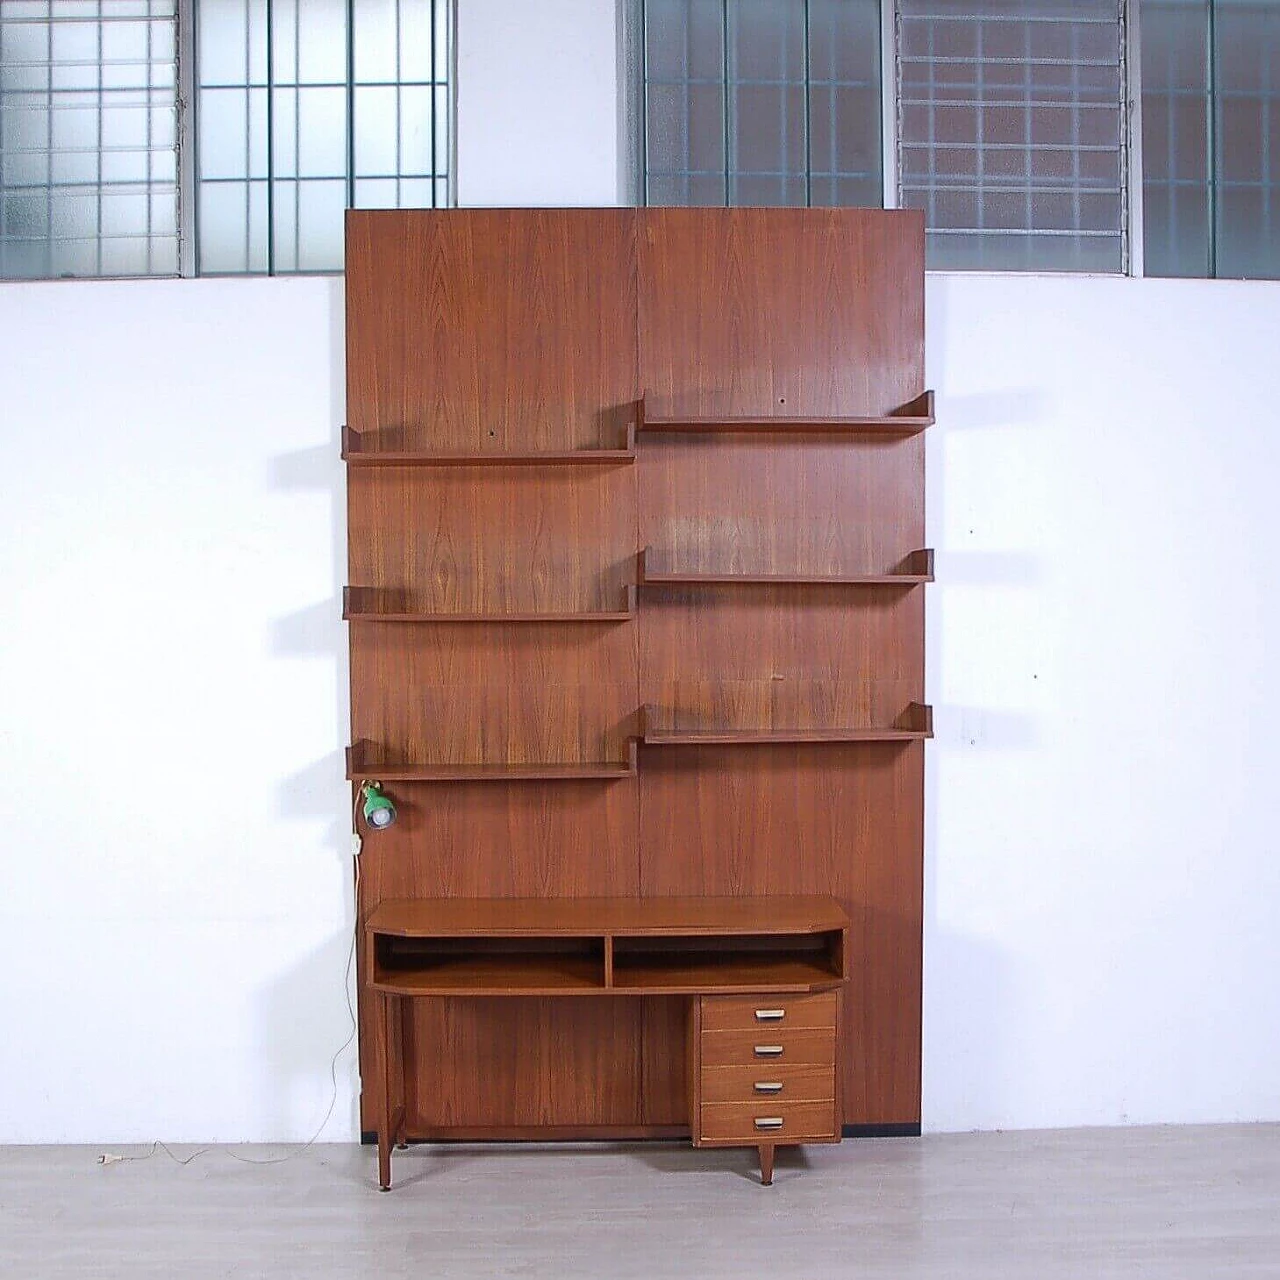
761, 102
297, 109
1211, 137
1011, 131
306, 108
88, 138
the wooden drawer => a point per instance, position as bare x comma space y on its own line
756, 1122
743, 1013
808, 1046
765, 1084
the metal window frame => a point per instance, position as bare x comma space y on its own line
1131, 242
187, 142
634, 172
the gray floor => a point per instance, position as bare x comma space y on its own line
1166, 1203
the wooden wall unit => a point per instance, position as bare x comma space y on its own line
636, 542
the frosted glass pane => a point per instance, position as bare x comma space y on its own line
223, 33
375, 40
223, 227
321, 208
377, 193
415, 44
375, 121
322, 133
224, 124
322, 41
416, 118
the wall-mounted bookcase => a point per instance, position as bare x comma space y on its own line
637, 565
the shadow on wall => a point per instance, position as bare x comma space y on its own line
318, 631
299, 1035
299, 1032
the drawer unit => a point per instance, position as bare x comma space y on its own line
768, 1081
752, 1013
763, 1072
753, 1123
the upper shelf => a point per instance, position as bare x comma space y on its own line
906, 420
914, 725
363, 764
356, 452
915, 568
372, 604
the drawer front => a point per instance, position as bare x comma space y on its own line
808, 1047
763, 1121
768, 1082
746, 1013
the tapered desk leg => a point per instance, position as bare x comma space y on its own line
385, 1135
766, 1164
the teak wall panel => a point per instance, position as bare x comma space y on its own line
514, 693
765, 504
505, 539
491, 330
780, 312
843, 820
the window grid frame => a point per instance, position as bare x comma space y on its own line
1127, 120
184, 240
141, 96
805, 84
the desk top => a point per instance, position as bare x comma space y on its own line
605, 917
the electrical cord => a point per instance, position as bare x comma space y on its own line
157, 1145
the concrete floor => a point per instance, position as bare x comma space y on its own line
1164, 1203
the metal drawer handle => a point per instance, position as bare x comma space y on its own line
770, 1015
768, 1086
768, 1051
768, 1122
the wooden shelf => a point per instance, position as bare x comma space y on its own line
914, 725
372, 604
495, 975
907, 420
914, 569
363, 763
358, 451
668, 975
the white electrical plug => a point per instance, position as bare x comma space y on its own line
357, 843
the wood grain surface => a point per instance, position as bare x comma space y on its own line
534, 398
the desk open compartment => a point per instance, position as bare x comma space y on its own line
501, 966
758, 962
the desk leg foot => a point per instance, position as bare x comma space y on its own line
766, 1164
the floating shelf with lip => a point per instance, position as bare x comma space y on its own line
358, 450
914, 569
913, 725
376, 604
365, 761
906, 420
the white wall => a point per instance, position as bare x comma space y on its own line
1103, 876
537, 91
1101, 851
172, 708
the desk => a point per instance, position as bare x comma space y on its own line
760, 975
